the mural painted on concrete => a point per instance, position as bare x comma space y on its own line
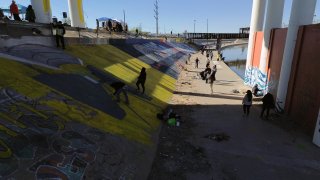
167, 57
254, 76
36, 142
56, 124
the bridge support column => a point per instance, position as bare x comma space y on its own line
42, 10
274, 17
302, 13
76, 13
257, 20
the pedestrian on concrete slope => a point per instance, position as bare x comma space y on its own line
197, 63
268, 103
30, 15
247, 102
60, 31
213, 77
142, 79
120, 87
14, 11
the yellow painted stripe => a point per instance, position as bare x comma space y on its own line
6, 152
46, 6
80, 11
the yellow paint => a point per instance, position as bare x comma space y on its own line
80, 11
46, 6
29, 108
140, 120
8, 131
7, 118
127, 68
5, 153
19, 77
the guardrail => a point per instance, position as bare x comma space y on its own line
21, 28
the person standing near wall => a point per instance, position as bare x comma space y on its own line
247, 102
30, 15
14, 11
268, 103
142, 79
60, 31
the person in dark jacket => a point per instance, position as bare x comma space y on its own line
268, 103
256, 91
1, 14
120, 87
30, 15
142, 79
247, 103
197, 63
212, 77
60, 31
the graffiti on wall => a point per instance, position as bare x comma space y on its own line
254, 76
36, 143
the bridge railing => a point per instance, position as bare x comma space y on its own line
217, 35
21, 28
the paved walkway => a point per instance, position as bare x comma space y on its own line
257, 149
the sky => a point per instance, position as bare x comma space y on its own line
225, 16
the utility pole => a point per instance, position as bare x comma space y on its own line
207, 32
124, 18
156, 16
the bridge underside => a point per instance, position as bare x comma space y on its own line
217, 35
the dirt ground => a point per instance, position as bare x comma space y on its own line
215, 141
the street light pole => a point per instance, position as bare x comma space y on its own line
207, 32
194, 26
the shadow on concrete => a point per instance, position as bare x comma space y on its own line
256, 148
84, 91
208, 95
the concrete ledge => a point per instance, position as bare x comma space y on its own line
6, 41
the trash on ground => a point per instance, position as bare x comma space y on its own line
236, 91
218, 137
169, 117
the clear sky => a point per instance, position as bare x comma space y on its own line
175, 15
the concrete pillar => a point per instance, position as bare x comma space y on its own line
302, 13
42, 10
76, 13
257, 20
274, 17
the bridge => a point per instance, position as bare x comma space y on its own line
217, 35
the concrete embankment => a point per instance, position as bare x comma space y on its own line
65, 123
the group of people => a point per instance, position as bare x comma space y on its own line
267, 103
15, 14
209, 75
121, 88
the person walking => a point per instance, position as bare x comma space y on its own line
247, 102
14, 11
30, 15
212, 77
142, 79
267, 104
60, 31
2, 17
197, 63
120, 87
